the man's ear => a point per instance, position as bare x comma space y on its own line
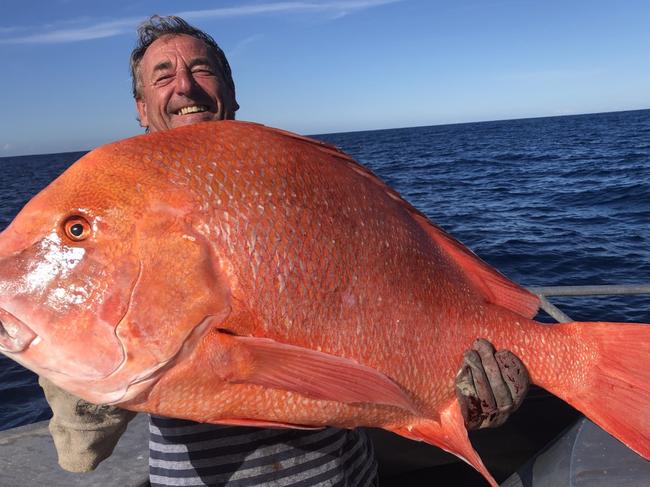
142, 112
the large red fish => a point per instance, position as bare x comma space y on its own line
231, 273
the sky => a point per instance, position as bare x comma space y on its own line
322, 66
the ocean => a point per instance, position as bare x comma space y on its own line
547, 201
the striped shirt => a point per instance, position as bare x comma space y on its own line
184, 453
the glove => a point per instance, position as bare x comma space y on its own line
490, 386
84, 434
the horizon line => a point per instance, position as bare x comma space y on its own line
378, 129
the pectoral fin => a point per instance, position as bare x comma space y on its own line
314, 374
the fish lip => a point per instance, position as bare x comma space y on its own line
15, 336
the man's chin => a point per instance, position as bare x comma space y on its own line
182, 120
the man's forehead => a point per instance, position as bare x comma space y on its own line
172, 46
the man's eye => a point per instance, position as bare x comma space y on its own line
203, 70
165, 78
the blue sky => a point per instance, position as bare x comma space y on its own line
318, 66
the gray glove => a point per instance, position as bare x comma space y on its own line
84, 434
490, 386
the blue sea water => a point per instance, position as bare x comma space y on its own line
547, 201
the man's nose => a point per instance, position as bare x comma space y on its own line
184, 82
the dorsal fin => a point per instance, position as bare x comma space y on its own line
494, 286
329, 149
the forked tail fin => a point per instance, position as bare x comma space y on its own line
614, 391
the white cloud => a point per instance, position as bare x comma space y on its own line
97, 31
52, 35
239, 48
336, 7
9, 30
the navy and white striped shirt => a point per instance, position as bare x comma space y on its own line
184, 453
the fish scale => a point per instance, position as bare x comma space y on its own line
247, 275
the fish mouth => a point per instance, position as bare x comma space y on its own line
15, 336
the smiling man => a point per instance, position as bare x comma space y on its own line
181, 80
181, 76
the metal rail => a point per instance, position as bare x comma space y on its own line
605, 290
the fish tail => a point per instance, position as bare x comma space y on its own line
448, 433
610, 378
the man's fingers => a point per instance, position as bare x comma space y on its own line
481, 381
473, 391
490, 386
493, 372
515, 376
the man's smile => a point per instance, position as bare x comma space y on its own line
191, 109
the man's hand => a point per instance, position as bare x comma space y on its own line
84, 434
490, 386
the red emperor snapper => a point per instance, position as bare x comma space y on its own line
226, 272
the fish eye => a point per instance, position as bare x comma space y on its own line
76, 228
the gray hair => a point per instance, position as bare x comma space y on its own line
156, 27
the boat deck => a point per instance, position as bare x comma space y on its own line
29, 459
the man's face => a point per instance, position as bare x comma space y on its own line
180, 84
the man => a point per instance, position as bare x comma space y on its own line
180, 77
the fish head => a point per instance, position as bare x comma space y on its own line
105, 281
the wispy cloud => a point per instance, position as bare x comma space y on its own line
239, 48
10, 30
56, 36
332, 7
53, 34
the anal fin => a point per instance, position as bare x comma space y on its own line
450, 435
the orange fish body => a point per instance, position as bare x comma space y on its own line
232, 273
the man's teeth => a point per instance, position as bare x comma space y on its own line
192, 109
